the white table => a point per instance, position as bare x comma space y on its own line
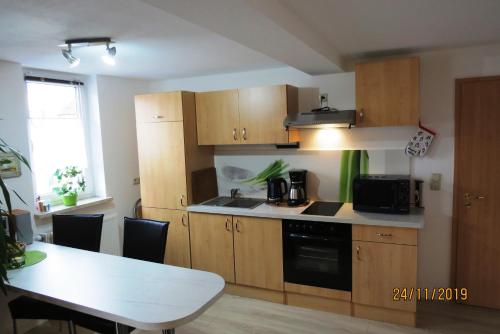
140, 294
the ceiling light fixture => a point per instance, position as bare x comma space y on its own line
72, 60
108, 58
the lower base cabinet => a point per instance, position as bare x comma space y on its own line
177, 252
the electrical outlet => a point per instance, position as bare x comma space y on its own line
323, 100
435, 183
137, 181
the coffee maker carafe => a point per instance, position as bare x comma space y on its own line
297, 194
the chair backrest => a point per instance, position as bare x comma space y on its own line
145, 239
78, 231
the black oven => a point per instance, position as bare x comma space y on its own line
317, 254
381, 193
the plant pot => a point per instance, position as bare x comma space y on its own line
69, 199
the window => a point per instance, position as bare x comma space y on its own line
57, 131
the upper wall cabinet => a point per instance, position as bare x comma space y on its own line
217, 117
387, 92
245, 116
159, 107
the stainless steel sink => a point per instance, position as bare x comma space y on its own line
242, 202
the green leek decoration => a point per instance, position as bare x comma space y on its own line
276, 169
352, 163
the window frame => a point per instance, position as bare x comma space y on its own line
90, 191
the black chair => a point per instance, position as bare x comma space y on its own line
143, 239
77, 231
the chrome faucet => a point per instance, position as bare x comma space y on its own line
234, 192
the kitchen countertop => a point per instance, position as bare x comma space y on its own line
346, 215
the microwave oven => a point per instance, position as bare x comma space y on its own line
381, 193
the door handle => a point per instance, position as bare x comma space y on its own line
480, 197
182, 201
358, 249
183, 220
228, 225
235, 134
384, 234
361, 114
157, 116
244, 133
238, 226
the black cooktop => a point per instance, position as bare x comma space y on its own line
323, 208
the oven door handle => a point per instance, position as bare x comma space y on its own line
310, 237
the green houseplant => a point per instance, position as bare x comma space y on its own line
70, 182
8, 245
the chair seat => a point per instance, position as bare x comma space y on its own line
95, 324
28, 308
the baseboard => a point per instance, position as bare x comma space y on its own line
256, 293
383, 314
318, 303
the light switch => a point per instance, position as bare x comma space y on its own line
435, 183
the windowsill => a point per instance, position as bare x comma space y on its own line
84, 203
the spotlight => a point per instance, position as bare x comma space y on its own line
72, 60
109, 57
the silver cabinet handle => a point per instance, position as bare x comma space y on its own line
182, 201
358, 249
361, 114
157, 116
184, 222
238, 226
480, 197
244, 133
235, 134
384, 234
228, 225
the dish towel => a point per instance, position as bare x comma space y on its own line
420, 143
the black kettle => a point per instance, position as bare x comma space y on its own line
276, 189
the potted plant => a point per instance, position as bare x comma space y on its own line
9, 248
70, 182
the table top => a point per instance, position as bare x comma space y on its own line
141, 294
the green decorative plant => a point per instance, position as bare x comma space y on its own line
8, 245
352, 163
69, 182
276, 169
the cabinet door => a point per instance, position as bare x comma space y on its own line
378, 268
162, 165
258, 252
217, 117
262, 112
212, 244
387, 92
159, 107
178, 252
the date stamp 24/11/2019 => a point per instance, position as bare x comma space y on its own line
429, 294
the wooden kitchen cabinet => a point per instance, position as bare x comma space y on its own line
168, 150
178, 251
387, 92
162, 165
212, 244
158, 107
262, 112
258, 252
245, 116
217, 117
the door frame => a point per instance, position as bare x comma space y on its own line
456, 195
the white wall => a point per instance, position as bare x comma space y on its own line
438, 71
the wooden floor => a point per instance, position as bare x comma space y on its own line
237, 315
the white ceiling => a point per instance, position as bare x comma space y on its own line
150, 43
358, 27
158, 39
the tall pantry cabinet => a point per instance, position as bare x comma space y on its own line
168, 154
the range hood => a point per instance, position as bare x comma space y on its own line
321, 118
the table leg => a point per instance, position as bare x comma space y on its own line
121, 329
170, 331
